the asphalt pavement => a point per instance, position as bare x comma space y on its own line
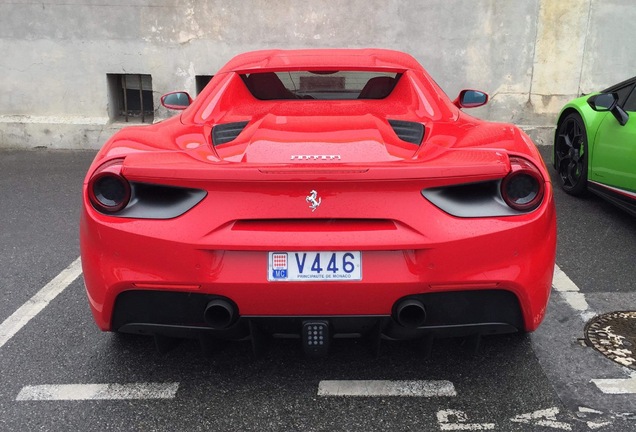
548, 380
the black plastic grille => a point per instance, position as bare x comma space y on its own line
408, 131
227, 132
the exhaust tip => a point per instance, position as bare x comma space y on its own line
410, 313
219, 314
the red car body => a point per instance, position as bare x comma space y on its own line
187, 225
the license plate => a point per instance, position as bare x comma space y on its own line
314, 266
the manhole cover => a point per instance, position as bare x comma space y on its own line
614, 335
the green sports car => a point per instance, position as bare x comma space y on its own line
595, 145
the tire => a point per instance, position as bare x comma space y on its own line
571, 154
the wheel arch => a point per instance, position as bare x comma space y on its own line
564, 113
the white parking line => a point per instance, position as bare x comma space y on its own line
457, 420
562, 282
571, 293
617, 386
386, 388
39, 301
545, 418
79, 392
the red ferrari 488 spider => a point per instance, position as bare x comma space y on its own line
319, 194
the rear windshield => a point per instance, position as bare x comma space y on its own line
325, 85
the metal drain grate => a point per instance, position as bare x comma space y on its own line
614, 335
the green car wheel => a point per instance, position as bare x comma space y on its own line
571, 154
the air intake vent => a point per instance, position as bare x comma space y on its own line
227, 132
408, 131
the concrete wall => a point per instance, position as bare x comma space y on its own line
529, 55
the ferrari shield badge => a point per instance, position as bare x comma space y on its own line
314, 200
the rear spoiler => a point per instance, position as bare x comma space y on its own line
449, 166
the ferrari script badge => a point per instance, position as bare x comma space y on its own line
313, 202
316, 157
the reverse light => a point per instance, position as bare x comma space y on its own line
108, 190
522, 189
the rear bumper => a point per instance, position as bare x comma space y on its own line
424, 254
446, 314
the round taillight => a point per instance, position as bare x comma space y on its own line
522, 189
108, 190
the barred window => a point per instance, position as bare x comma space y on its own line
130, 97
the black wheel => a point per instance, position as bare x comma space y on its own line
570, 154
